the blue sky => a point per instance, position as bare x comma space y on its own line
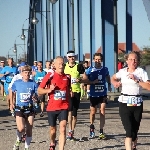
13, 13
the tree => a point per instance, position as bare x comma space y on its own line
145, 56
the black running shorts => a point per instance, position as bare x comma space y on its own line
53, 115
94, 101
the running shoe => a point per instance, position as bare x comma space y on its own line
41, 114
102, 136
23, 138
52, 147
16, 146
70, 136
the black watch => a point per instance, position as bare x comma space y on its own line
138, 81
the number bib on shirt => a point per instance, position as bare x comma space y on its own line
73, 81
60, 95
40, 79
134, 101
25, 97
99, 88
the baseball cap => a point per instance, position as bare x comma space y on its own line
22, 64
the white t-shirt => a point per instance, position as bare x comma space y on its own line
129, 86
15, 78
48, 70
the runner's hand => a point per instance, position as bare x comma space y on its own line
52, 87
71, 94
117, 84
95, 81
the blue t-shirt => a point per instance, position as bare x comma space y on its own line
24, 92
12, 71
39, 76
2, 78
34, 68
99, 89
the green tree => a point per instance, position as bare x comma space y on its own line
145, 56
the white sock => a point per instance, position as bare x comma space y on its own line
19, 134
28, 141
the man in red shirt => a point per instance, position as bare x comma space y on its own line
59, 91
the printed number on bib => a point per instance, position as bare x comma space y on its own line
59, 95
25, 97
40, 79
73, 80
134, 101
99, 88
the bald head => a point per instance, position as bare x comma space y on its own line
59, 64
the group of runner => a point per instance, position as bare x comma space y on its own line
63, 83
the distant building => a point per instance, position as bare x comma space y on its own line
121, 49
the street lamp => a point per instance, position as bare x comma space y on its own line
34, 19
22, 35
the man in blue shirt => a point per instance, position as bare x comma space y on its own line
34, 67
38, 77
98, 92
2, 80
8, 72
25, 90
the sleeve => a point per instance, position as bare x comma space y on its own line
119, 74
80, 68
106, 71
144, 76
3, 71
88, 71
45, 80
12, 82
13, 88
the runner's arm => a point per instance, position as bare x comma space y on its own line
42, 87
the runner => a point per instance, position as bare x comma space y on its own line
15, 78
8, 72
39, 74
98, 93
48, 67
34, 67
2, 80
25, 90
75, 70
130, 102
59, 92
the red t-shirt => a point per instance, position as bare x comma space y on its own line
120, 65
59, 97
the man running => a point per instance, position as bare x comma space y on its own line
48, 67
34, 67
8, 72
39, 75
59, 92
2, 80
75, 70
25, 90
98, 93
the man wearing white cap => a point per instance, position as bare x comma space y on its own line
2, 80
75, 70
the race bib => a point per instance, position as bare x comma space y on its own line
73, 80
134, 101
40, 79
25, 97
59, 95
99, 88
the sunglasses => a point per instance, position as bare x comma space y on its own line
70, 56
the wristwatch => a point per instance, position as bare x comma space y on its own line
138, 81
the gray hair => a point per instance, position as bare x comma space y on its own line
58, 57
